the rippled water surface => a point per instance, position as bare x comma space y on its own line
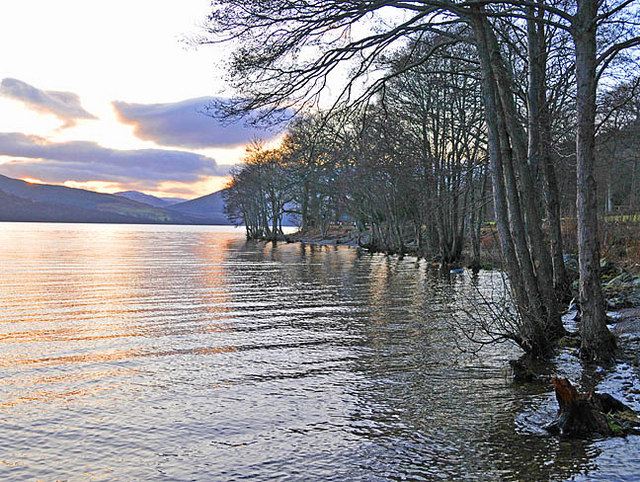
185, 353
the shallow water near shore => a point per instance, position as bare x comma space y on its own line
185, 353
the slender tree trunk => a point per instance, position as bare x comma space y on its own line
534, 95
305, 206
531, 336
552, 204
539, 143
597, 342
634, 189
517, 225
528, 194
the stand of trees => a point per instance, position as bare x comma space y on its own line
434, 88
260, 192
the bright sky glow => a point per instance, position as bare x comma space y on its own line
121, 50
104, 51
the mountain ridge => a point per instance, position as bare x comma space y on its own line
210, 206
155, 201
23, 201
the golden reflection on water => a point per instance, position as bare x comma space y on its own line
87, 296
213, 252
75, 376
61, 334
49, 396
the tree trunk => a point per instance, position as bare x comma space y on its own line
305, 206
516, 223
539, 143
531, 336
633, 195
477, 217
528, 195
598, 343
587, 414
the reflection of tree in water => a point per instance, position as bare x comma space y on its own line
427, 411
414, 405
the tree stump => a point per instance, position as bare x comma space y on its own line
591, 413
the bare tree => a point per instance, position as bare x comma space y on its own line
287, 51
259, 192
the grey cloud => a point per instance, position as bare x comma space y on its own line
64, 105
86, 161
184, 124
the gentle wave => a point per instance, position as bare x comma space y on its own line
186, 353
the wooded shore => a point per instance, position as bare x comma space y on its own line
580, 414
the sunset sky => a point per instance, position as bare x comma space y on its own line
107, 96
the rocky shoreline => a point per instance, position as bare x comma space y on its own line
343, 237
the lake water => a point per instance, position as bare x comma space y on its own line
186, 353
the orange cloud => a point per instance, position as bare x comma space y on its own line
107, 187
206, 185
184, 190
32, 180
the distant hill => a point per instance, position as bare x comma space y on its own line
14, 208
172, 200
22, 201
209, 208
158, 202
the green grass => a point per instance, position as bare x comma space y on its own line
627, 218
